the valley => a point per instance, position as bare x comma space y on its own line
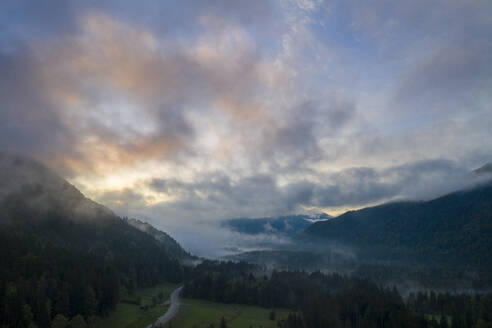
245, 164
64, 265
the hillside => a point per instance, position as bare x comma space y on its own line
63, 254
29, 190
171, 245
455, 228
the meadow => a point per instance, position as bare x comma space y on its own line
137, 310
199, 313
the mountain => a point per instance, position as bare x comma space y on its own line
455, 228
29, 189
283, 225
62, 253
171, 245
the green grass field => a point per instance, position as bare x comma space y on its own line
198, 313
129, 315
438, 318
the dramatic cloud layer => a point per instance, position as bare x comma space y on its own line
198, 111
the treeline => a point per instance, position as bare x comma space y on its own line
54, 270
461, 310
427, 276
333, 300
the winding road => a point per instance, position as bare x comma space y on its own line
172, 311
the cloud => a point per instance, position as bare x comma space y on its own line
216, 196
417, 181
126, 199
196, 111
122, 95
448, 79
28, 120
192, 210
129, 95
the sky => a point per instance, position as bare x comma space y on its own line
187, 112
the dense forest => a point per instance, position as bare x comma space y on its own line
58, 267
409, 275
334, 300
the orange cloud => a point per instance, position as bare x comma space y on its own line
126, 94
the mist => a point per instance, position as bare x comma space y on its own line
30, 186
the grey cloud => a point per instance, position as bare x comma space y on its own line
25, 19
218, 197
110, 60
415, 181
220, 192
163, 86
160, 185
396, 24
21, 18
173, 121
299, 193
437, 53
213, 197
35, 122
453, 78
127, 197
354, 187
29, 121
297, 140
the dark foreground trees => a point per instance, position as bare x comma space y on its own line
55, 268
333, 300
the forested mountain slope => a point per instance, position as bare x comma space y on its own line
455, 228
171, 245
61, 253
30, 191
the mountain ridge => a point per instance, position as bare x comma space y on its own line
29, 186
31, 190
458, 225
169, 243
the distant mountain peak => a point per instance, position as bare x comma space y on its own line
319, 217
